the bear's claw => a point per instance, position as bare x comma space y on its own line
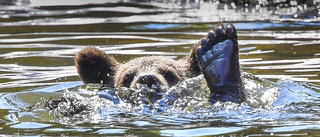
217, 54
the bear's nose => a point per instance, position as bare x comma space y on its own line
149, 80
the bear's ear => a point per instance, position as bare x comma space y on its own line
94, 66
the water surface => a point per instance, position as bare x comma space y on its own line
279, 53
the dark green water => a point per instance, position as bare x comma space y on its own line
279, 43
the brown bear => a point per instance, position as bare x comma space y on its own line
215, 56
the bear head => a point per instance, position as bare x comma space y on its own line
94, 66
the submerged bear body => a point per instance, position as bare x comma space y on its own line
215, 56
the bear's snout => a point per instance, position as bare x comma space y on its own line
149, 80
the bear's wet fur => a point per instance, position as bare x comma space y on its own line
95, 66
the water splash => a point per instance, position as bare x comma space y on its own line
185, 103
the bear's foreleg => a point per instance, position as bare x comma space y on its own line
217, 54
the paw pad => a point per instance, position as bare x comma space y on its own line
218, 58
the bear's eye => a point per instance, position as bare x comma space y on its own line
170, 77
128, 80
